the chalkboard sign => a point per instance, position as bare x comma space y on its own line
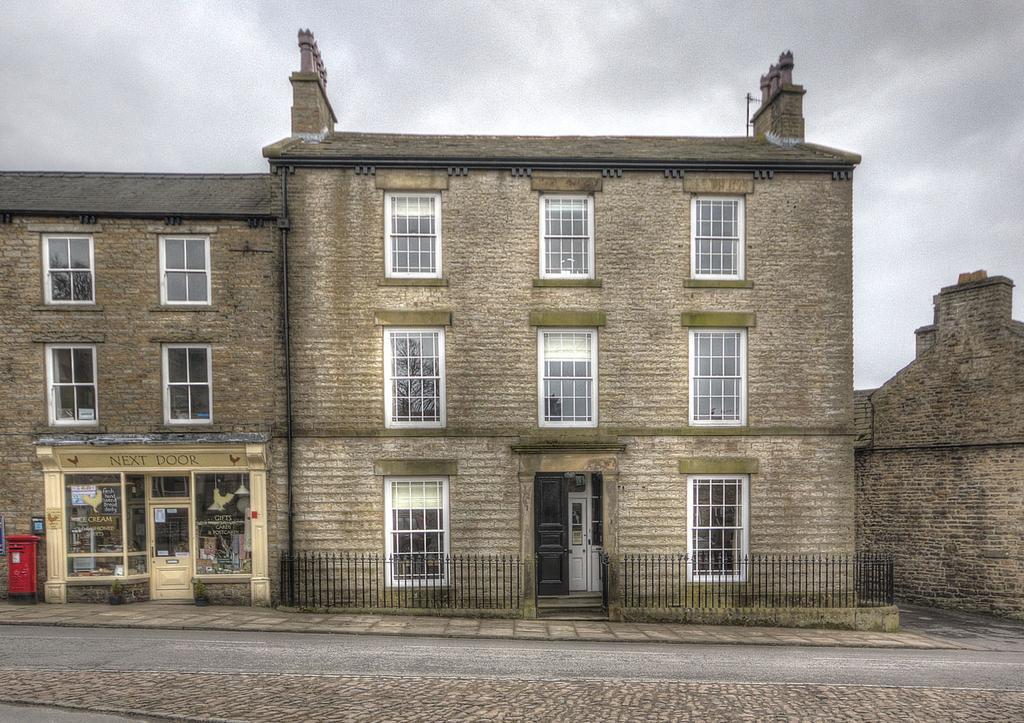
110, 504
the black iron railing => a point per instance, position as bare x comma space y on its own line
603, 562
352, 580
764, 581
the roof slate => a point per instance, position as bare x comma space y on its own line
657, 149
143, 194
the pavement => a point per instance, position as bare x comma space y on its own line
921, 631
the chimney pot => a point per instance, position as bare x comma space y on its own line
773, 79
780, 119
765, 86
969, 276
312, 115
786, 68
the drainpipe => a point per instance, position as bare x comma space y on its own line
284, 224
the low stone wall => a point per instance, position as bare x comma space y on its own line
228, 593
515, 613
132, 592
880, 619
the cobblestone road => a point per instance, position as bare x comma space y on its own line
265, 697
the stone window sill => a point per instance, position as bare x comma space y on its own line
412, 282
717, 284
185, 307
567, 283
67, 307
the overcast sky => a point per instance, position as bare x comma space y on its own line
930, 93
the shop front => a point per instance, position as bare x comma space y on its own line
156, 519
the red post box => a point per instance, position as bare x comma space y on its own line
21, 567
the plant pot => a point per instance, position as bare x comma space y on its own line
202, 602
116, 599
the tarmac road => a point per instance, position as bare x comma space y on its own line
318, 675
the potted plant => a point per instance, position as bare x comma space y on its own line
116, 593
199, 593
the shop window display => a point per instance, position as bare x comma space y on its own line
223, 539
95, 518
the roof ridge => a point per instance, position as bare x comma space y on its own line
131, 174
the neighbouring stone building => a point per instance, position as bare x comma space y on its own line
542, 347
940, 456
139, 372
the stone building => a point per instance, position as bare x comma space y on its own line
940, 456
558, 346
543, 347
139, 373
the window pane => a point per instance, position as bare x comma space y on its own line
62, 366
195, 254
177, 286
200, 394
179, 402
81, 282
80, 253
197, 369
86, 398
83, 365
60, 286
65, 403
94, 518
196, 283
58, 253
174, 250
223, 532
177, 365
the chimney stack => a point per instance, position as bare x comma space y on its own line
977, 304
780, 119
312, 114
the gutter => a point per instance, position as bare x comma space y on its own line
564, 164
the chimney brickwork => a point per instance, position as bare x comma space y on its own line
780, 118
312, 114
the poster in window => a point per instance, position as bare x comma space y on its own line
110, 503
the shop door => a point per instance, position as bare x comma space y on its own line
551, 505
170, 553
579, 543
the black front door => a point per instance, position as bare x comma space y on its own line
551, 503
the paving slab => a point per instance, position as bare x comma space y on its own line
178, 617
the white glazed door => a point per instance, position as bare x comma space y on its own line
579, 547
171, 576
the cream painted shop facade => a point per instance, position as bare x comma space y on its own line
427, 348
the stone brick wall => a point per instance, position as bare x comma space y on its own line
798, 259
940, 476
128, 325
954, 521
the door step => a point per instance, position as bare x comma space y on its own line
579, 615
577, 606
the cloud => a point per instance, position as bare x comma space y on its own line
928, 93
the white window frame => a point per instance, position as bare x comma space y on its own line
692, 349
541, 422
741, 244
164, 301
390, 423
741, 574
389, 531
389, 272
47, 284
544, 198
167, 388
51, 398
